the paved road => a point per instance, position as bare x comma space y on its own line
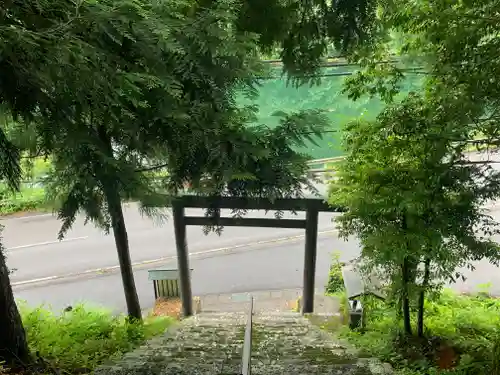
34, 251
271, 263
259, 267
242, 259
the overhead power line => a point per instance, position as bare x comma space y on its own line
339, 63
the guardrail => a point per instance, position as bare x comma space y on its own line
246, 366
318, 169
322, 169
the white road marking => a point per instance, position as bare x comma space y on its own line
33, 281
10, 218
163, 259
47, 243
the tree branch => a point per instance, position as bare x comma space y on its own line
38, 154
478, 162
480, 18
153, 168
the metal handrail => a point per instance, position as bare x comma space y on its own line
247, 343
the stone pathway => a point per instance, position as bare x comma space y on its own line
211, 343
266, 300
206, 344
287, 343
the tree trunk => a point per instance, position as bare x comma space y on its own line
13, 345
421, 301
406, 299
406, 276
121, 242
112, 193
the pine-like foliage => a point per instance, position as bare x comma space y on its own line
161, 91
117, 90
133, 87
302, 32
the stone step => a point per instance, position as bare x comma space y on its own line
198, 345
315, 369
212, 343
218, 318
289, 343
294, 334
279, 318
264, 301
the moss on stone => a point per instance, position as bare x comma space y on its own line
327, 355
281, 344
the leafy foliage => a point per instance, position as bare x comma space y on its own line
181, 111
462, 334
93, 58
413, 198
455, 48
303, 32
335, 280
83, 338
27, 199
407, 182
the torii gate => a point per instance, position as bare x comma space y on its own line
312, 207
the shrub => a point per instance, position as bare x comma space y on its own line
466, 329
28, 199
32, 197
81, 339
335, 280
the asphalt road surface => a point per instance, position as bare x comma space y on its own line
275, 265
34, 251
83, 267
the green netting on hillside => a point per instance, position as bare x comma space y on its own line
275, 95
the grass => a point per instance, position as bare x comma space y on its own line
462, 333
462, 337
28, 199
32, 197
76, 342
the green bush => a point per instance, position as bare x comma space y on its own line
81, 339
469, 326
28, 199
335, 279
31, 198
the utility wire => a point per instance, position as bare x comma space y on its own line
341, 74
339, 64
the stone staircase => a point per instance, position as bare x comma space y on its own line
287, 343
212, 343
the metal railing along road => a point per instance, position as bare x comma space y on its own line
323, 168
246, 366
318, 169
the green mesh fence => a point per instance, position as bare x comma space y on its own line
276, 95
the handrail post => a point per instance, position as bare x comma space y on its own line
246, 366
